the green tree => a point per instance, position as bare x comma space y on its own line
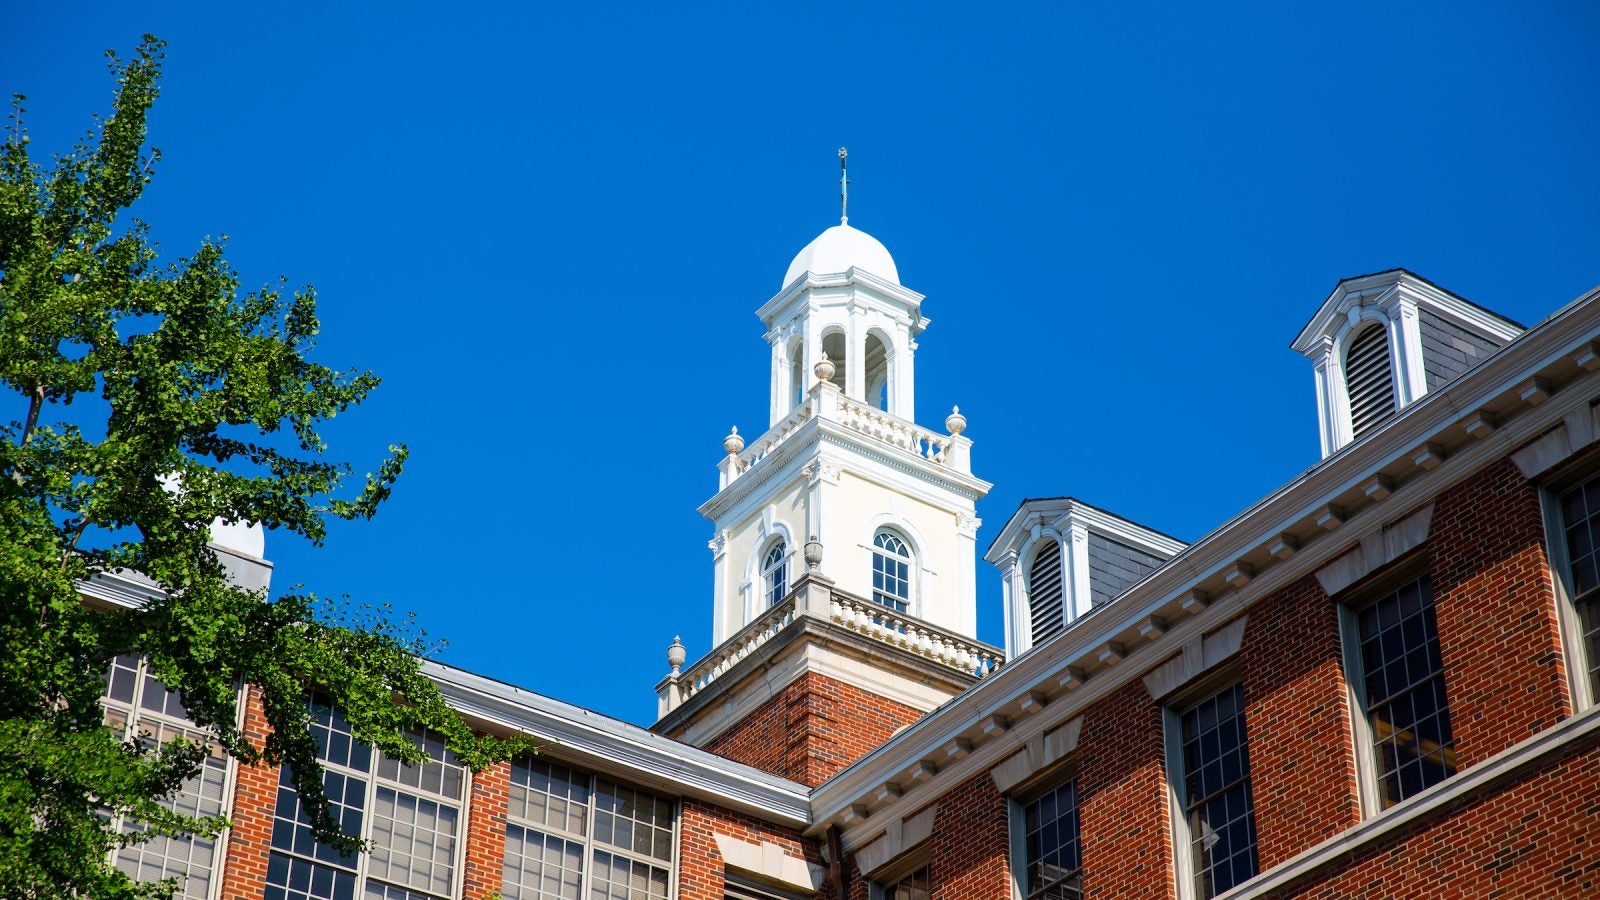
133, 376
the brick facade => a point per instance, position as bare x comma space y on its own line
1297, 722
1122, 806
1495, 602
814, 728
1535, 838
486, 833
254, 799
971, 849
701, 867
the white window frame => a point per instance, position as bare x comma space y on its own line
769, 596
910, 560
1047, 781
588, 840
880, 882
136, 713
373, 782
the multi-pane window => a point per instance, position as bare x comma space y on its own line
411, 814
914, 885
1580, 523
891, 571
775, 573
1216, 796
1054, 862
139, 707
572, 835
1402, 677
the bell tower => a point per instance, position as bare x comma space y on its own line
844, 536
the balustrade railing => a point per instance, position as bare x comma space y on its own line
898, 629
873, 620
874, 422
826, 402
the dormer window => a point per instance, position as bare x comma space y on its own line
1382, 342
1369, 379
1046, 598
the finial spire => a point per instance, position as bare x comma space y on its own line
844, 188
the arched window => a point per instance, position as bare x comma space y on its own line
1045, 607
775, 573
891, 571
1369, 379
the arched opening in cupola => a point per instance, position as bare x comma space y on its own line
834, 343
877, 371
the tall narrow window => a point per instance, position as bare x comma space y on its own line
1369, 379
1045, 595
411, 815
1580, 525
1402, 678
891, 571
571, 835
1215, 793
139, 707
1050, 845
775, 573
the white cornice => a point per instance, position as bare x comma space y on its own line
1062, 512
893, 297
602, 743
1352, 291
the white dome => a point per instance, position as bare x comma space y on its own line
837, 250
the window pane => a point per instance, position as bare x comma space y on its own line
1051, 844
1406, 702
1217, 795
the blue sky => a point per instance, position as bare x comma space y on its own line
548, 226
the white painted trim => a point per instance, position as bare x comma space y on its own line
768, 860
1377, 548
1199, 656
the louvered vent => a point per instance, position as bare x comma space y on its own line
1369, 379
1044, 591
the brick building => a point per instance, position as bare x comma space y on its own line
1378, 681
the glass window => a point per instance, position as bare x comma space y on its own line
1403, 679
1580, 524
1050, 844
140, 708
571, 835
916, 885
1216, 795
411, 815
775, 573
891, 571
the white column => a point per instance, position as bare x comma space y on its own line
721, 627
1405, 348
1010, 594
1075, 553
903, 382
782, 391
855, 373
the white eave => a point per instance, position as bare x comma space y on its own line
1054, 511
617, 748
1326, 320
887, 291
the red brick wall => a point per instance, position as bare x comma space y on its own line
1498, 633
486, 832
255, 795
1122, 807
1535, 838
1297, 720
701, 864
815, 727
971, 843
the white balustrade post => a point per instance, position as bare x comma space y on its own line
825, 396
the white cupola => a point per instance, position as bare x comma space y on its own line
842, 297
1381, 342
